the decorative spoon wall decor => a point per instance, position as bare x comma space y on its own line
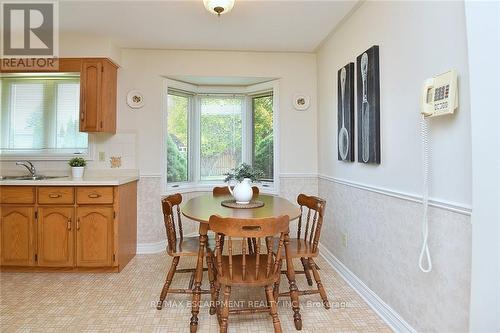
345, 113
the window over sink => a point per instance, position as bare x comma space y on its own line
40, 116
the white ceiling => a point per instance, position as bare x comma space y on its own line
252, 25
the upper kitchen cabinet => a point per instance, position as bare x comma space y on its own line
98, 95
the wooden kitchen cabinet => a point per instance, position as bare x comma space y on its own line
94, 236
17, 235
71, 228
55, 236
98, 78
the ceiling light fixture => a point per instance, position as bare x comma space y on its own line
219, 7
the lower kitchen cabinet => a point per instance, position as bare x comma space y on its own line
94, 236
80, 228
17, 236
55, 236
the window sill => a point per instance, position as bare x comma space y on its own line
207, 187
42, 157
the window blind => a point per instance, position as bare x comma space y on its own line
41, 114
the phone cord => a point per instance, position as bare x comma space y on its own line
425, 199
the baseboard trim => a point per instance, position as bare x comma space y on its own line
391, 317
433, 202
150, 248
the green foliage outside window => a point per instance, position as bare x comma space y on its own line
263, 152
177, 140
221, 128
176, 163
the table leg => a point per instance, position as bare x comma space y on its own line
294, 294
195, 306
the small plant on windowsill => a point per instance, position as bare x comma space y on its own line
244, 174
77, 165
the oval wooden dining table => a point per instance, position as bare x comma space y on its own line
202, 207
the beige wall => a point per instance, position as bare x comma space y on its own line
377, 206
73, 45
145, 70
406, 33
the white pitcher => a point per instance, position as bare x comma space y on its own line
242, 192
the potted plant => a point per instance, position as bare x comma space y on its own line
244, 174
77, 165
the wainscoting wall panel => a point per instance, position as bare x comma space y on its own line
384, 235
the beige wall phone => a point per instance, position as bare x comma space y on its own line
439, 97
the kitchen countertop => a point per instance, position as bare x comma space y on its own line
90, 180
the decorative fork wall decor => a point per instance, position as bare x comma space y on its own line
368, 104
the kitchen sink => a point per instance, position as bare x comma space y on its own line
37, 177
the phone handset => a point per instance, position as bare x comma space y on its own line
427, 98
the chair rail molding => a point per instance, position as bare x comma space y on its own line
298, 175
434, 202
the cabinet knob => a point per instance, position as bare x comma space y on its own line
69, 223
78, 224
54, 195
94, 195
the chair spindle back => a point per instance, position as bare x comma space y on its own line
172, 219
260, 229
313, 219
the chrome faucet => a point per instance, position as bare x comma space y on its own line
28, 165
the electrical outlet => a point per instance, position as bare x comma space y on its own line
344, 239
102, 156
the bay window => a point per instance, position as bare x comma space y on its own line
210, 133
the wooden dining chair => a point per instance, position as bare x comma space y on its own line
237, 268
179, 246
223, 190
305, 245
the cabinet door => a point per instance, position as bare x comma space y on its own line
94, 240
17, 236
90, 95
55, 236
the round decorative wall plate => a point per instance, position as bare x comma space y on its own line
135, 99
301, 102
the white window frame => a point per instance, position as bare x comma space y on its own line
47, 154
50, 154
194, 182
